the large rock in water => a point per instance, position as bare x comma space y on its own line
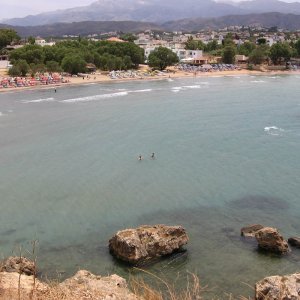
279, 288
270, 239
18, 264
147, 242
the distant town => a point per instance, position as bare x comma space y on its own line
229, 48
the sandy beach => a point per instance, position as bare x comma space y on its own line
100, 78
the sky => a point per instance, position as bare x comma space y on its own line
21, 8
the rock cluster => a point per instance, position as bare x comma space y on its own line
279, 288
147, 242
83, 285
18, 264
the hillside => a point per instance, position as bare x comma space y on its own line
285, 21
136, 10
82, 28
154, 11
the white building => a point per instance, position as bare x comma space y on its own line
42, 42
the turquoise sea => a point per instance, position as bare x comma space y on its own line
227, 155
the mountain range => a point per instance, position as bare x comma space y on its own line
154, 11
285, 21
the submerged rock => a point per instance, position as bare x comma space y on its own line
260, 203
249, 231
270, 239
18, 264
147, 242
294, 241
278, 288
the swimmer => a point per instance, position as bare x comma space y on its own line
153, 155
54, 90
140, 157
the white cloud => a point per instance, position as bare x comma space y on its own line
16, 8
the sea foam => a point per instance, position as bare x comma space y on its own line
257, 81
141, 91
176, 89
96, 97
273, 130
38, 100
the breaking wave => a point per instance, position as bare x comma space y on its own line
185, 87
38, 100
273, 130
96, 97
257, 81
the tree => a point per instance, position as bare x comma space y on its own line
31, 40
279, 52
297, 47
229, 55
37, 68
228, 41
129, 37
14, 71
261, 41
258, 55
73, 64
191, 44
211, 46
7, 36
23, 66
246, 48
162, 57
30, 53
53, 66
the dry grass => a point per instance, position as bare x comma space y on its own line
193, 290
163, 290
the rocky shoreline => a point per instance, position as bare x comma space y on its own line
139, 246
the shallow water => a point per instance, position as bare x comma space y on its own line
227, 154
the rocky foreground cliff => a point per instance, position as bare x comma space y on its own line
146, 243
82, 286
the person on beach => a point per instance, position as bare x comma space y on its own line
55, 90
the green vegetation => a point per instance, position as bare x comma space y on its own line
161, 58
21, 68
246, 48
280, 52
8, 36
192, 44
72, 56
229, 53
129, 37
259, 54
